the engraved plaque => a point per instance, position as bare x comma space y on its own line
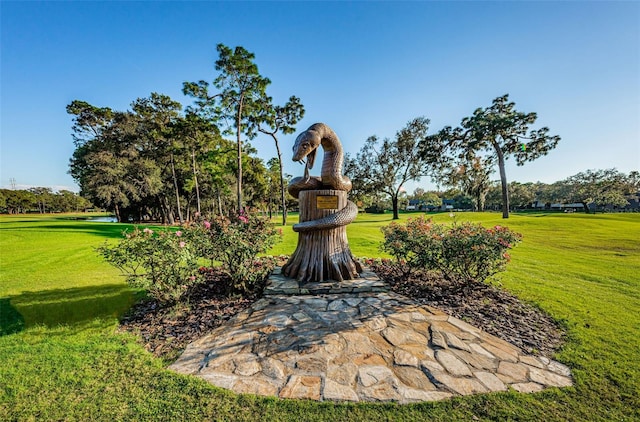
327, 202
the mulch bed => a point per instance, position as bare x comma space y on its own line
488, 307
166, 331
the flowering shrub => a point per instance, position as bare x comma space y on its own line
166, 263
162, 262
465, 252
236, 244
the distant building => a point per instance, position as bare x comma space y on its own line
447, 204
633, 205
415, 204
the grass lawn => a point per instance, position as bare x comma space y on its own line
61, 357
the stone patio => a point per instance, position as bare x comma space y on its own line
356, 341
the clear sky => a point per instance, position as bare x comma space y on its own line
363, 68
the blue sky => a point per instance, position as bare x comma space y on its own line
363, 68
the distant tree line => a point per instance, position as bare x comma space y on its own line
464, 155
589, 191
42, 200
463, 159
160, 161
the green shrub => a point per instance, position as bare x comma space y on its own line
465, 252
162, 262
166, 263
236, 243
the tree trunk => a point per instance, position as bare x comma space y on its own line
163, 210
175, 184
282, 193
168, 214
586, 208
322, 254
394, 203
480, 203
117, 211
238, 132
503, 181
195, 179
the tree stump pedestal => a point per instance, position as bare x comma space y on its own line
323, 254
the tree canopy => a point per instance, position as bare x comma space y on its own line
473, 176
155, 162
387, 166
271, 119
158, 159
498, 131
600, 187
241, 89
41, 199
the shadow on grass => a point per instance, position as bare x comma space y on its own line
63, 307
107, 230
10, 319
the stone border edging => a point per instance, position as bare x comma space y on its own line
281, 285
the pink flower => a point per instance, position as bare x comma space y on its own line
182, 244
243, 219
207, 225
498, 227
178, 233
192, 278
147, 231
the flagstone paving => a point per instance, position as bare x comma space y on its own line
361, 345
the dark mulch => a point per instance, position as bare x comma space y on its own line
488, 307
166, 331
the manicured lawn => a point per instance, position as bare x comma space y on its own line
65, 360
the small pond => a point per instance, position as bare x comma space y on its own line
102, 219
